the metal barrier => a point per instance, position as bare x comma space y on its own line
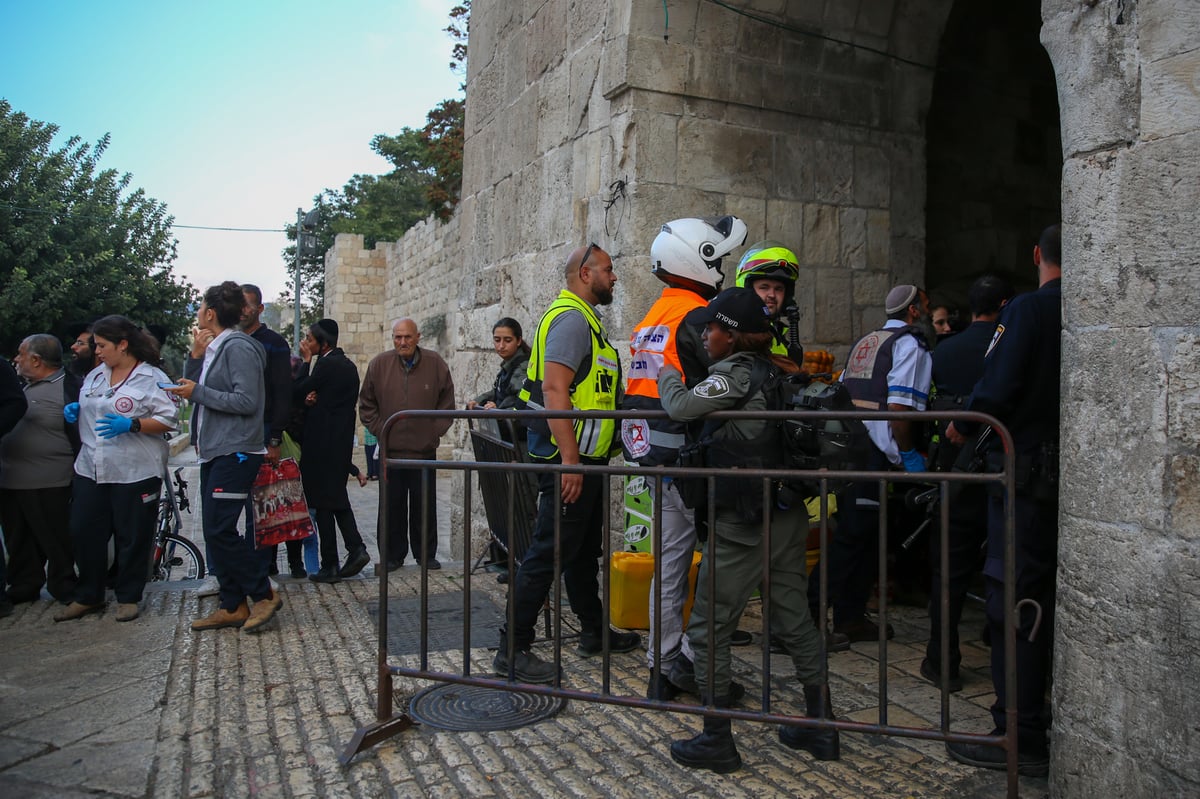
388, 724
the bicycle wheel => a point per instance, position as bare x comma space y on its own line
181, 560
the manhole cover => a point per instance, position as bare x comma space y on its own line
445, 623
475, 708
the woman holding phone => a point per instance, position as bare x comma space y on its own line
225, 379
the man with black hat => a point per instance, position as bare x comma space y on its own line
889, 369
330, 389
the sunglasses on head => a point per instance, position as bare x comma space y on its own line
588, 254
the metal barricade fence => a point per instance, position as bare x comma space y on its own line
388, 724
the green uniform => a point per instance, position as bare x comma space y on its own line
737, 547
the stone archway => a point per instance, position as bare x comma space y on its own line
993, 149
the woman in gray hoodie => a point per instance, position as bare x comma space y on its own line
225, 381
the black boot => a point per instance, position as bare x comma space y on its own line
821, 744
712, 749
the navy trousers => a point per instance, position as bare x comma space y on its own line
240, 568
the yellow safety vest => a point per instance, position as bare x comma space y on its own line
595, 389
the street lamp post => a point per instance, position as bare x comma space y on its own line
305, 244
296, 298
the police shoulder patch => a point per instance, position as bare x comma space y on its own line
713, 386
995, 340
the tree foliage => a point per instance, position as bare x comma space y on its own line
77, 241
460, 18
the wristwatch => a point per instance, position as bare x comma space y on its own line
135, 425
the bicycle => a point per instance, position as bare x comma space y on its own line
174, 556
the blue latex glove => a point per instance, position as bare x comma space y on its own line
112, 425
71, 412
913, 460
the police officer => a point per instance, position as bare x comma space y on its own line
1020, 387
572, 366
888, 369
957, 367
738, 336
686, 256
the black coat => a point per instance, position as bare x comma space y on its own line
328, 441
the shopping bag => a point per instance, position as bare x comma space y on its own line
280, 510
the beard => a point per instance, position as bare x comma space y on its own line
604, 297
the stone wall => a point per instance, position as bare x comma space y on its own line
1127, 649
354, 284
584, 123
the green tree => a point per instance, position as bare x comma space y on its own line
76, 241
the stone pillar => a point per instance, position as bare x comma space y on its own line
1127, 648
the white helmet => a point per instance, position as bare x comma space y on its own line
687, 252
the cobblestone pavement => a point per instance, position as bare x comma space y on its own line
149, 708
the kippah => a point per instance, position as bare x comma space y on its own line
900, 298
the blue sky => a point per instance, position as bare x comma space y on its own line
232, 113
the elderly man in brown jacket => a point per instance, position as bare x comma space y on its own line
408, 378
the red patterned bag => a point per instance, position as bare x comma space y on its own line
280, 510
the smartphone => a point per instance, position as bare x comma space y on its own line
169, 385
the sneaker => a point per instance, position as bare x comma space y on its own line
1029, 764
861, 630
223, 618
929, 672
527, 667
263, 610
592, 644
355, 563
127, 611
77, 610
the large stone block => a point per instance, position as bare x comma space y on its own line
587, 107
752, 211
1171, 95
832, 306
871, 288
1166, 28
549, 38
822, 240
554, 124
833, 172
852, 228
796, 164
872, 177
1119, 452
785, 224
657, 65
718, 157
1140, 591
654, 137
1129, 225
1096, 66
